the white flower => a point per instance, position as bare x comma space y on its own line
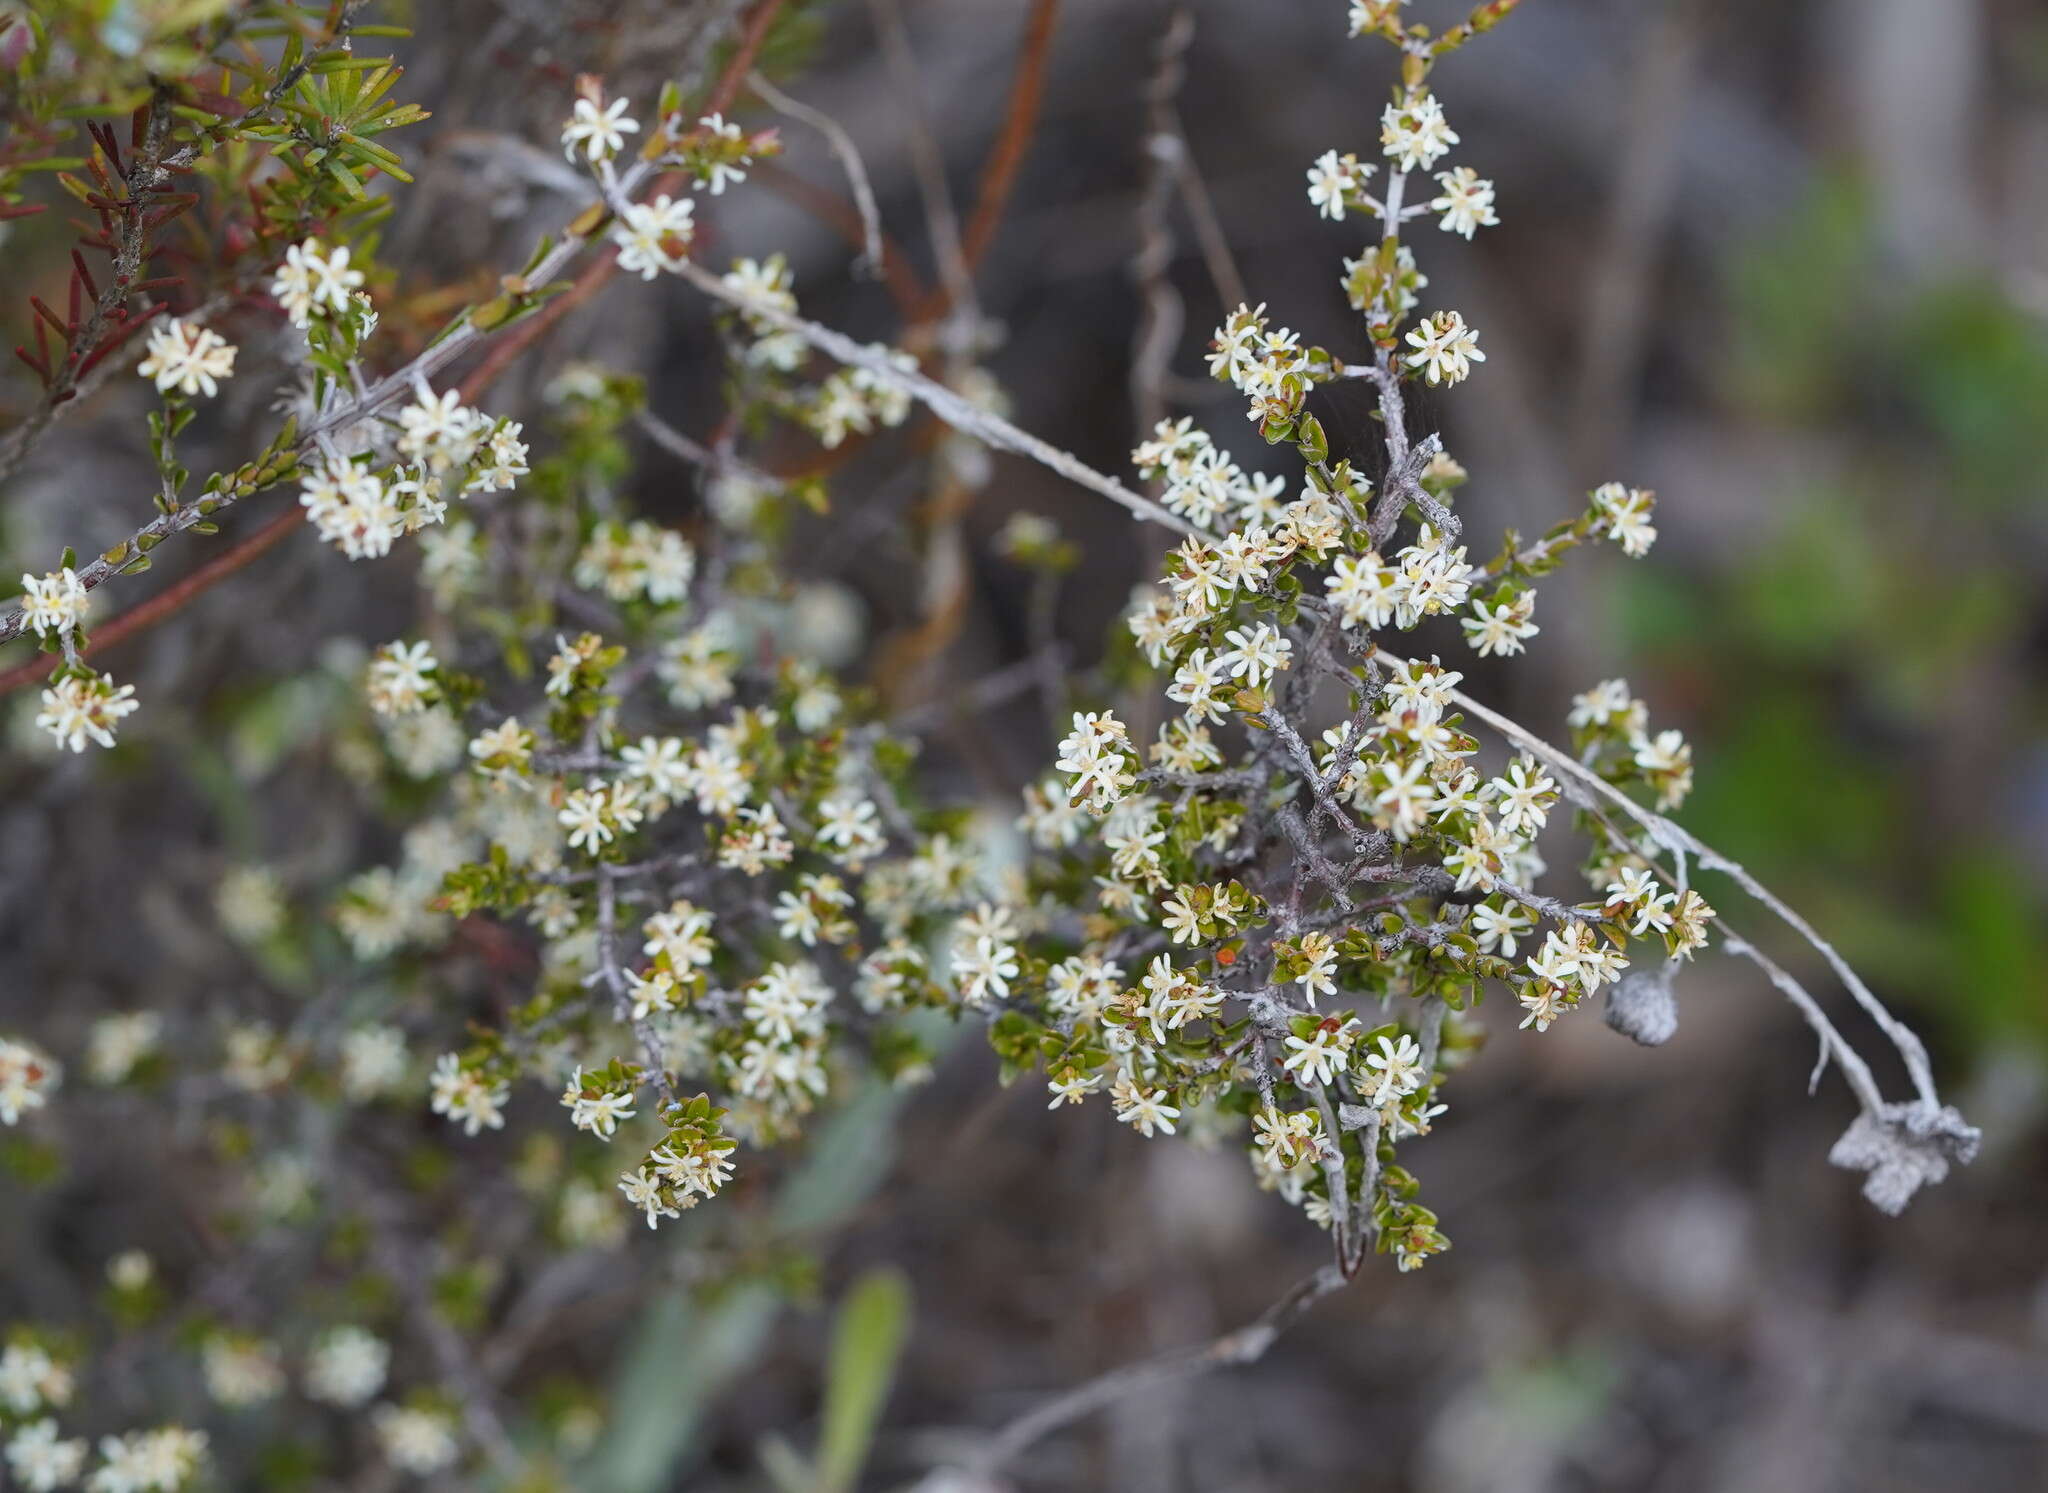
599, 1112
1286, 1140
438, 431
1689, 919
1361, 586
654, 236
118, 1043
156, 1461
669, 564
504, 749
425, 743
1607, 702
351, 508
463, 1095
1466, 203
1501, 629
1244, 557
240, 1370
646, 1190
1498, 929
1096, 754
1070, 1087
852, 826
586, 814
1256, 654
599, 133
373, 1062
187, 357
399, 683
1432, 579
716, 172
40, 1462
53, 603
418, 1441
984, 967
1319, 974
249, 901
1636, 894
1415, 133
1198, 685
1667, 761
1445, 348
31, 1379
1525, 795
765, 283
81, 709
1331, 179
312, 278
347, 1367
1183, 746
1397, 1069
504, 459
682, 935
1404, 803
1144, 1109
1544, 1003
1319, 1057
659, 764
1625, 514
787, 1003
652, 991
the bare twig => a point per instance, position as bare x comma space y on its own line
941, 401
928, 163
1680, 841
849, 158
1245, 1345
391, 1236
1163, 316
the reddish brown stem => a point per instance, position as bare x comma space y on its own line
1006, 156
161, 605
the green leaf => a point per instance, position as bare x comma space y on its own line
679, 1359
866, 1346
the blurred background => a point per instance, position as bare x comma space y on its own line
1785, 262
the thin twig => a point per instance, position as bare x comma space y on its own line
927, 162
1163, 315
1246, 1345
1680, 841
991, 429
842, 145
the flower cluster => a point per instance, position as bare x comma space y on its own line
187, 359
444, 450
84, 705
35, 1383
1246, 866
664, 882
